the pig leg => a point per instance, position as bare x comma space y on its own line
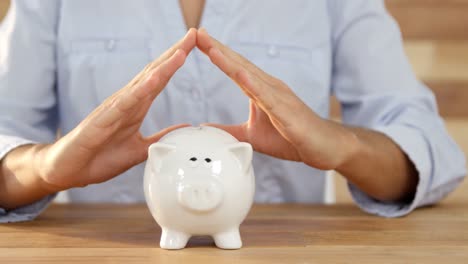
171, 239
228, 240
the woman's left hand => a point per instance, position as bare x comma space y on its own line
280, 124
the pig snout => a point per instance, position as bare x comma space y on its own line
200, 196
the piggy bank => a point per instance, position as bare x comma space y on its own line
199, 181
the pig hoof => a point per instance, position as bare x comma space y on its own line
173, 239
228, 240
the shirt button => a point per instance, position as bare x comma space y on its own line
273, 51
110, 45
195, 94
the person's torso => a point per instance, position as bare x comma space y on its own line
103, 44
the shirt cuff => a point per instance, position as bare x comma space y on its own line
8, 143
414, 144
27, 212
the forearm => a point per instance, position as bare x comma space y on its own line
20, 180
379, 167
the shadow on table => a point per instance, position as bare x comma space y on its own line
53, 231
93, 233
96, 228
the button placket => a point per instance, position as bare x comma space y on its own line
196, 94
273, 51
110, 45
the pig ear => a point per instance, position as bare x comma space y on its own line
159, 150
155, 154
243, 152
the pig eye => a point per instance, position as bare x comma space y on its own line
193, 162
207, 163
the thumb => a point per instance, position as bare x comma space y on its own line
237, 131
157, 136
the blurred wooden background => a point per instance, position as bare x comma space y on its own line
436, 41
3, 7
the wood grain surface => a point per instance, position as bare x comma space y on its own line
271, 234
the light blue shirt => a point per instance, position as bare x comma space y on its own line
60, 59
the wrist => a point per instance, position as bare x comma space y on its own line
22, 183
358, 166
43, 169
333, 147
353, 148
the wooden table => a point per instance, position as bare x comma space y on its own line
271, 234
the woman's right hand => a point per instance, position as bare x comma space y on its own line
108, 142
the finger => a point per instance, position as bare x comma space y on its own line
254, 82
270, 94
281, 105
157, 136
259, 91
205, 43
262, 94
159, 77
124, 103
238, 131
186, 44
232, 69
253, 87
229, 67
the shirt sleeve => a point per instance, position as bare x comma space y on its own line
377, 89
27, 84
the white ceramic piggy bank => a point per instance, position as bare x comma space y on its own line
199, 181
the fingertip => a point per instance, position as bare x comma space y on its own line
203, 40
192, 34
191, 30
202, 31
189, 41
